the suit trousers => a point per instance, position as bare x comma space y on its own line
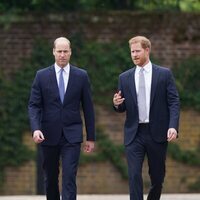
69, 154
142, 145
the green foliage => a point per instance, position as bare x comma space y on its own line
109, 4
190, 5
104, 63
188, 82
85, 5
107, 150
113, 153
38, 5
195, 187
13, 111
170, 5
187, 157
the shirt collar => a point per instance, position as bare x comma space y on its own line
66, 68
147, 68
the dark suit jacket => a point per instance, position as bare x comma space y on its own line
164, 104
48, 114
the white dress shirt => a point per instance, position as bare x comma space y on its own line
148, 78
65, 74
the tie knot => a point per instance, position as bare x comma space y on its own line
61, 70
142, 70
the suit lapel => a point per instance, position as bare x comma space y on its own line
132, 84
155, 76
53, 82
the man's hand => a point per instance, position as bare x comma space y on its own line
171, 134
38, 136
89, 146
117, 99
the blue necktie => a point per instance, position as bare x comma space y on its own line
142, 97
61, 86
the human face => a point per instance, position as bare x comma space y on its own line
62, 52
139, 55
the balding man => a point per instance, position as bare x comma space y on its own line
57, 94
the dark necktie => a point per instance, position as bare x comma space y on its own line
142, 97
61, 86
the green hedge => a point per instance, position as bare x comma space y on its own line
104, 63
14, 94
187, 75
96, 5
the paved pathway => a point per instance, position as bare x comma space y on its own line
108, 197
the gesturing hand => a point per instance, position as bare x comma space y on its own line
117, 99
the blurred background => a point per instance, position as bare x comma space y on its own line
99, 32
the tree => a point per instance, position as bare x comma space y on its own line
86, 5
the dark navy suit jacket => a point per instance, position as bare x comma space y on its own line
164, 104
48, 114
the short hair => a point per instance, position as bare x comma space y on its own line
61, 38
145, 43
